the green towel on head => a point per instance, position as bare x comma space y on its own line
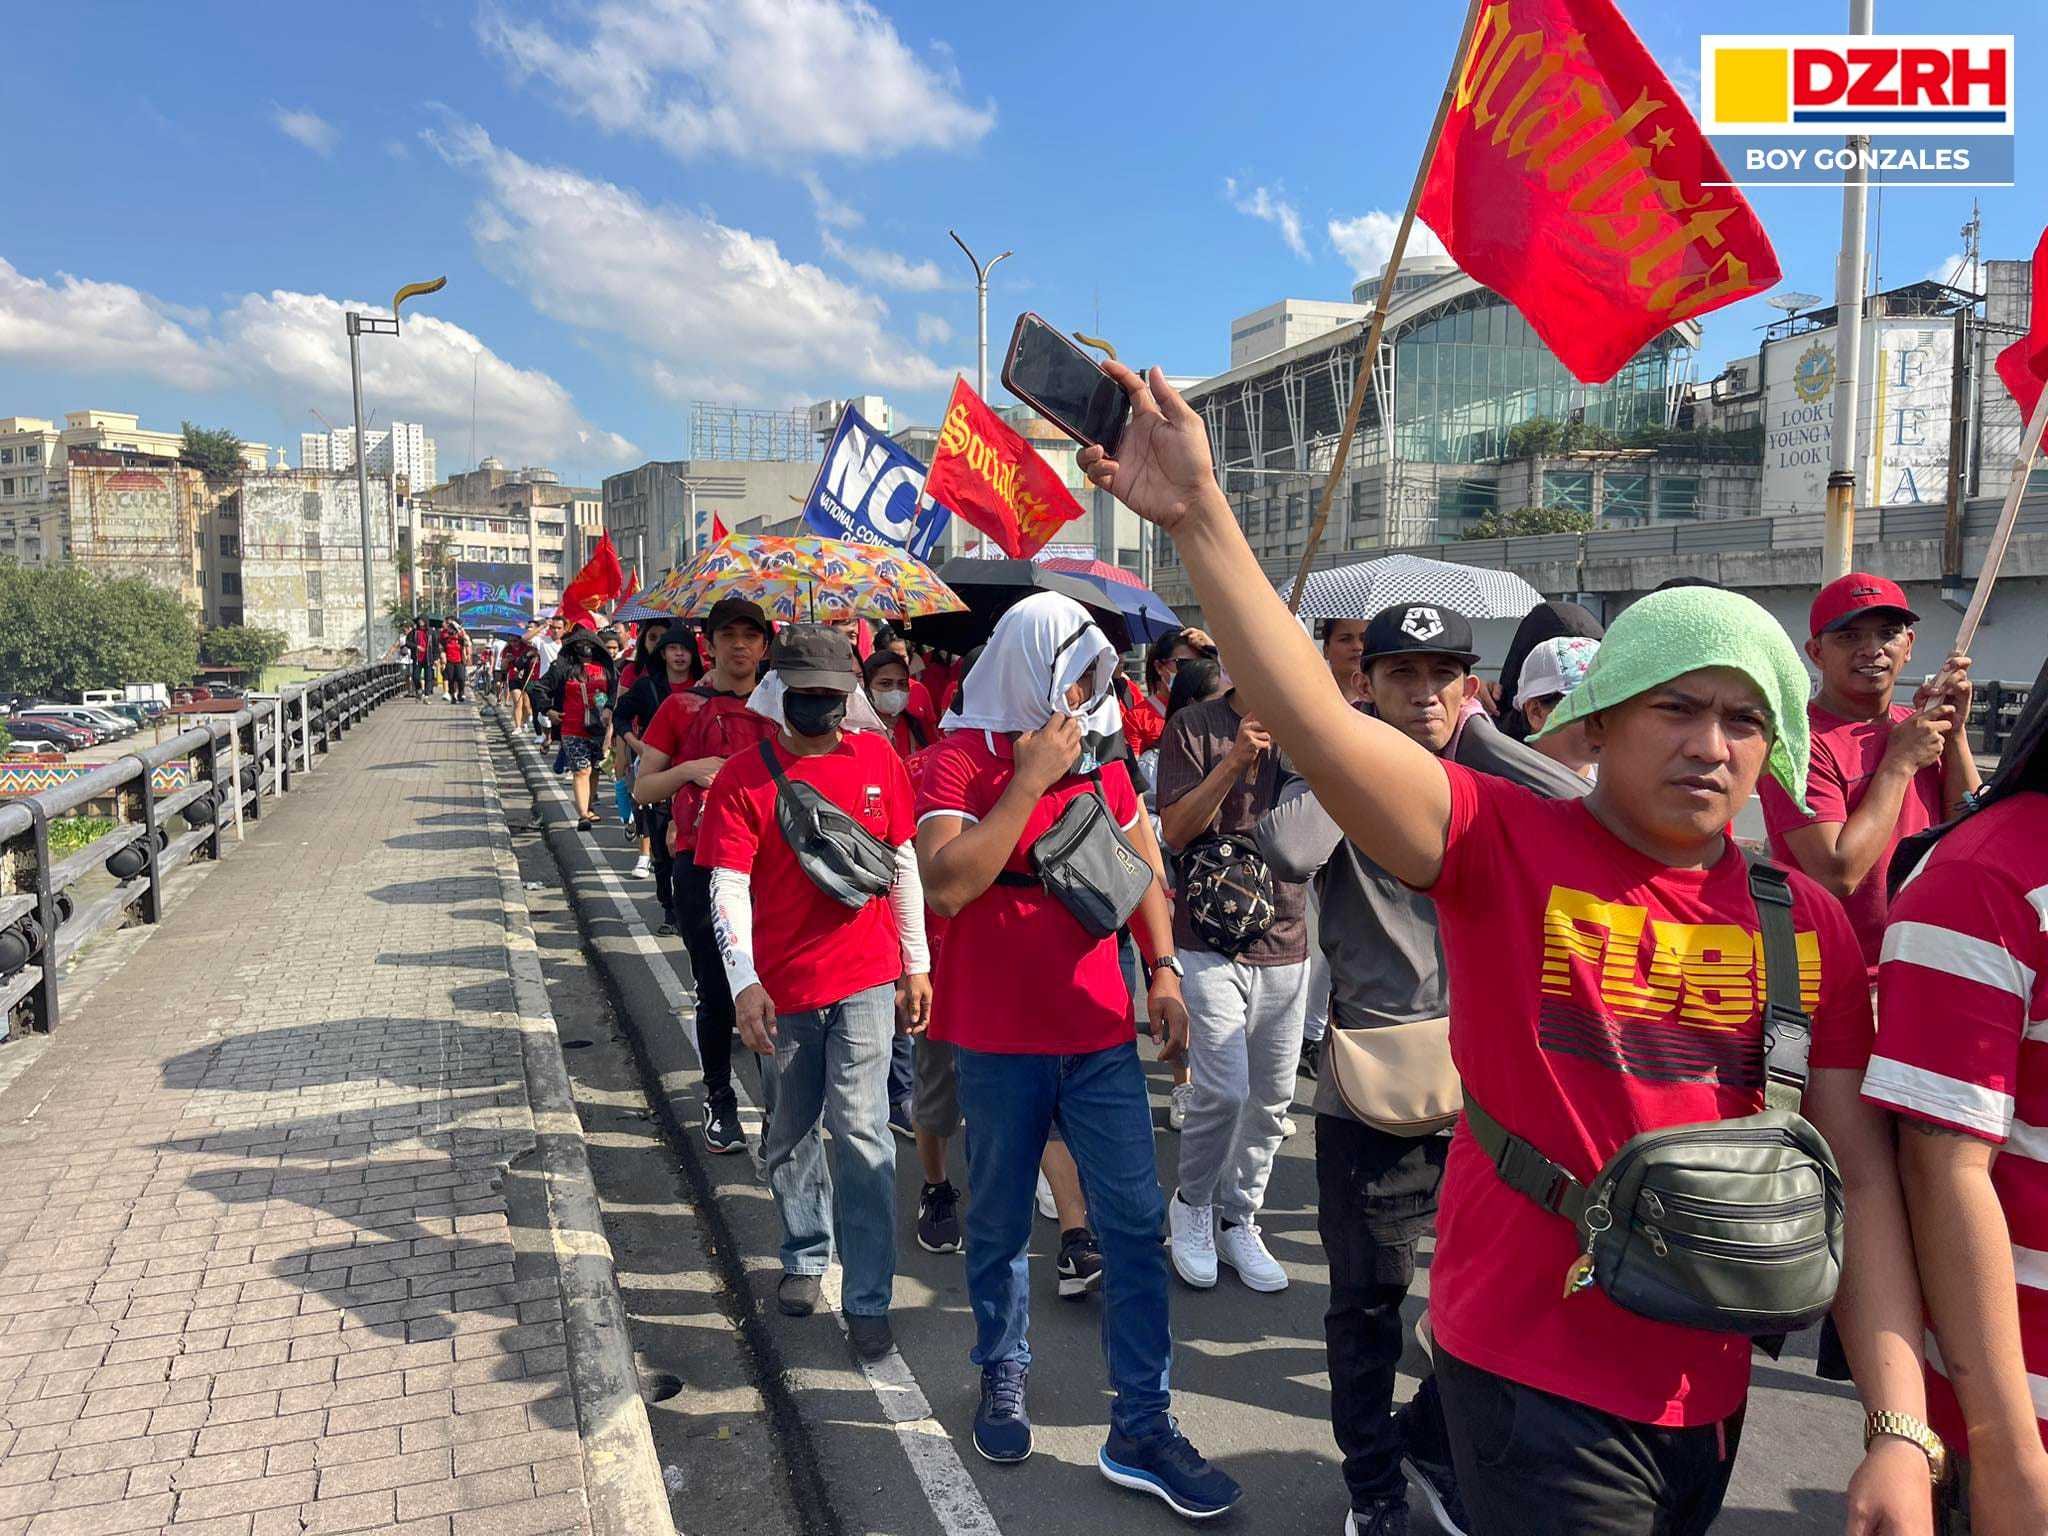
1683, 629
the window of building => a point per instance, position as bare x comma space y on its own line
231, 615
1568, 488
313, 593
1297, 511
32, 486
6, 455
7, 486
231, 546
1461, 503
1127, 559
230, 584
32, 454
316, 622
473, 551
313, 550
1625, 500
1678, 496
309, 505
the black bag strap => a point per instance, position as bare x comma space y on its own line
1019, 882
1522, 1168
774, 765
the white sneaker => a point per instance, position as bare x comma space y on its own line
1048, 1207
1177, 1105
643, 867
1287, 1126
1194, 1241
1242, 1248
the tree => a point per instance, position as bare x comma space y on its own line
63, 629
213, 449
1526, 521
434, 574
240, 645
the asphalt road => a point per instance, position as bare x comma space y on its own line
888, 1448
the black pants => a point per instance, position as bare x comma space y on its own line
1534, 1464
1376, 1199
715, 1025
654, 827
458, 679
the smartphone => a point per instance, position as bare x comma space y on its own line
1064, 384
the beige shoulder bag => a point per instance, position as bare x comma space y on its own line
1397, 1078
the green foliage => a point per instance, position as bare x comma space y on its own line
6, 741
213, 449
240, 645
63, 629
68, 834
1525, 521
1546, 435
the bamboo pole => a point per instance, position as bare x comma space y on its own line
1369, 354
1994, 556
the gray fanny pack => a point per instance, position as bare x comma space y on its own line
1084, 861
1731, 1226
842, 858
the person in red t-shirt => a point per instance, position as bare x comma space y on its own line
1963, 1058
890, 688
1603, 958
583, 712
1040, 1022
455, 661
691, 736
821, 982
1881, 771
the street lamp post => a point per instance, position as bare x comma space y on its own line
358, 327
981, 313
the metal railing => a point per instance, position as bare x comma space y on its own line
237, 762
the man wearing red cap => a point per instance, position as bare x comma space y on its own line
1880, 771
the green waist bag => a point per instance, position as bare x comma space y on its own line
1732, 1226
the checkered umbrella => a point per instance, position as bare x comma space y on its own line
1362, 590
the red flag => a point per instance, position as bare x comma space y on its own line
597, 583
718, 528
632, 586
988, 474
2023, 366
1572, 181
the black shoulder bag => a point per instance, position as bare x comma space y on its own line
1732, 1226
843, 858
1084, 860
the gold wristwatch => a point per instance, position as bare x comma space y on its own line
1904, 1426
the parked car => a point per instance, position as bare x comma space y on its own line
105, 726
26, 727
21, 747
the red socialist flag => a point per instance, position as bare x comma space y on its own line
985, 472
597, 584
2023, 366
1572, 180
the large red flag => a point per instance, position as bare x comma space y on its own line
985, 472
597, 583
1572, 180
2023, 366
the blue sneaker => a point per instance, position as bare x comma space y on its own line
1002, 1430
1169, 1468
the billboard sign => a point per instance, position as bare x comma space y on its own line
493, 597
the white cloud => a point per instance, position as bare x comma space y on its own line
885, 267
398, 149
1268, 206
307, 128
933, 330
832, 213
699, 298
1953, 269
1366, 241
289, 348
762, 79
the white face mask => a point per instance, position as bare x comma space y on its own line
892, 701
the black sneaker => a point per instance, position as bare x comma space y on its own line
1170, 1469
1079, 1265
1426, 1458
722, 1124
797, 1295
1311, 1058
872, 1337
899, 1120
667, 928
1380, 1517
1002, 1429
1437, 1482
938, 1218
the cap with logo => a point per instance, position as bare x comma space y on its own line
1557, 666
1427, 628
1857, 593
737, 610
814, 656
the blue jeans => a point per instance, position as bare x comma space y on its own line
902, 1070
1098, 1101
833, 1063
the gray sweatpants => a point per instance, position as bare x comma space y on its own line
1244, 1048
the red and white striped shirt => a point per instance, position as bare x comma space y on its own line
1962, 1040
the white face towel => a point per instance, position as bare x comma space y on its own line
1040, 648
766, 701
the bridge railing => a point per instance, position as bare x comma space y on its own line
51, 905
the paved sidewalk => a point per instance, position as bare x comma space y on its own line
258, 1271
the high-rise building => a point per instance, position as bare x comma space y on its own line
403, 448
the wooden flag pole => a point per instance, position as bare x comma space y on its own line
1994, 556
1369, 354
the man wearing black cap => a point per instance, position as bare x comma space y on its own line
820, 972
1377, 1188
683, 747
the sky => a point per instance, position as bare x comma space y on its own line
643, 203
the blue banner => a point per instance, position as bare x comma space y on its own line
493, 597
867, 490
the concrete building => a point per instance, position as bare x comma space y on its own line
661, 512
1287, 324
31, 455
122, 512
284, 551
403, 448
121, 431
517, 517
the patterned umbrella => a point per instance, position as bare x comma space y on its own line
804, 578
1362, 590
1148, 617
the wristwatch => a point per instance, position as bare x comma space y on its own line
1164, 963
1904, 1426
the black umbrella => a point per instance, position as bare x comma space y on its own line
990, 588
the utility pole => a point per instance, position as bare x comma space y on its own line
981, 313
1840, 537
358, 327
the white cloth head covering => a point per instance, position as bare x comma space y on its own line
766, 701
1040, 648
